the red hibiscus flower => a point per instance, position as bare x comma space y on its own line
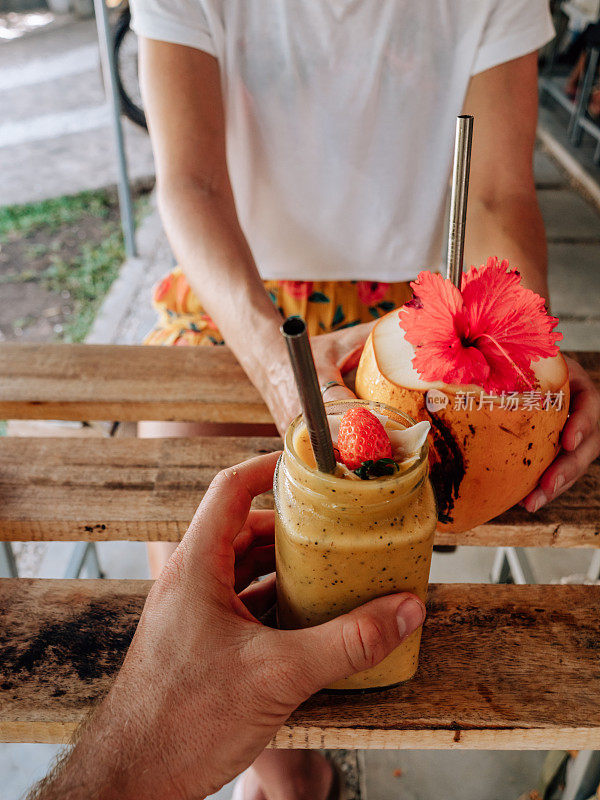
488, 334
371, 292
297, 289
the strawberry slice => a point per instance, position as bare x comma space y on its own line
361, 438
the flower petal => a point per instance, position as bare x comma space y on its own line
508, 323
489, 334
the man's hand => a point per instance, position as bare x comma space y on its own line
335, 354
205, 685
580, 440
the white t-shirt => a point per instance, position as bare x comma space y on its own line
340, 118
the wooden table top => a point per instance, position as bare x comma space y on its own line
148, 490
123, 382
512, 667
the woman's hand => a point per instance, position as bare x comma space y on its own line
205, 686
580, 440
335, 354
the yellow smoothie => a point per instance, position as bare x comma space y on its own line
341, 541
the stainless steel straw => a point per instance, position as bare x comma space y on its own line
458, 202
311, 400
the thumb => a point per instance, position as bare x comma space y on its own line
355, 641
349, 339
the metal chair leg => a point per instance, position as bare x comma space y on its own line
82, 553
575, 131
500, 570
582, 776
109, 73
8, 565
512, 563
94, 567
593, 573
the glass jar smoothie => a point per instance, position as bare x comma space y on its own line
340, 542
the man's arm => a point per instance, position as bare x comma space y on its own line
504, 217
205, 686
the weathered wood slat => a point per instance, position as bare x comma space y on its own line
148, 490
119, 382
101, 489
122, 382
511, 667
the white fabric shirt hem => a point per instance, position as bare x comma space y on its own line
171, 31
513, 46
397, 275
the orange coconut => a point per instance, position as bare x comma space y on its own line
484, 459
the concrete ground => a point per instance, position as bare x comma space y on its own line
54, 139
55, 135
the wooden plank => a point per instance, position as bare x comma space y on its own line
148, 490
122, 382
512, 667
112, 489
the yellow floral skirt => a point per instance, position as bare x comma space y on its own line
325, 305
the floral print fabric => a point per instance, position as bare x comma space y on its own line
325, 305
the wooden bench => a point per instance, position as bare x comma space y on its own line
511, 667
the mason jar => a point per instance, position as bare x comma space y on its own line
341, 542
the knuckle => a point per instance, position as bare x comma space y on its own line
573, 468
171, 577
591, 419
364, 642
224, 478
278, 683
228, 483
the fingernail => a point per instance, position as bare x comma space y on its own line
558, 483
410, 615
538, 501
578, 440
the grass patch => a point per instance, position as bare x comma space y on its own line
87, 278
72, 247
52, 214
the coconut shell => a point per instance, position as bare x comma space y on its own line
482, 461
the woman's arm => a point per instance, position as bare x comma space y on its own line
183, 102
504, 217
184, 105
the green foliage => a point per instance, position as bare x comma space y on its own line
87, 273
87, 278
52, 214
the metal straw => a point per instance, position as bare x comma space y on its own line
311, 399
458, 202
